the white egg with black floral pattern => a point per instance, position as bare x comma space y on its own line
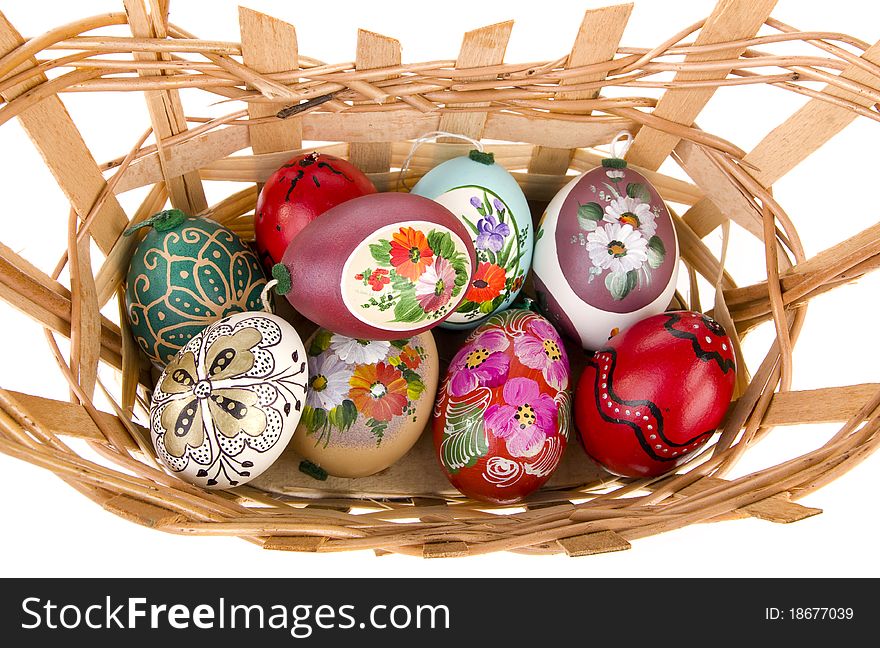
228, 404
491, 205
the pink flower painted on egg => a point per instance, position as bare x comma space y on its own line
480, 363
434, 286
540, 348
526, 418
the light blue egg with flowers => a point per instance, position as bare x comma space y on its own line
490, 203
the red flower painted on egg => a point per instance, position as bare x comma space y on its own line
410, 253
379, 391
487, 284
377, 279
410, 358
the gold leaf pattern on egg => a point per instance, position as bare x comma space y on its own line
182, 280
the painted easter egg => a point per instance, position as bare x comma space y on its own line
655, 393
368, 401
379, 267
488, 200
503, 412
227, 405
606, 254
187, 273
297, 193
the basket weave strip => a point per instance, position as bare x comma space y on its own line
548, 116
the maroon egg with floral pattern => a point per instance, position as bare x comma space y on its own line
606, 254
380, 267
655, 393
503, 412
302, 189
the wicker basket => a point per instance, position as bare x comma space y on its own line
548, 117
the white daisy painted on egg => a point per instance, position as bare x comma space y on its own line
633, 212
355, 351
617, 247
328, 382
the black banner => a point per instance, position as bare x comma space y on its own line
546, 612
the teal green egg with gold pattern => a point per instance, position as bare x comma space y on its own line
185, 274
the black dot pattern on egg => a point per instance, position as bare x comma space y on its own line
274, 425
266, 394
262, 363
232, 446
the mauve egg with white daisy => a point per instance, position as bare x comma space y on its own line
367, 402
606, 254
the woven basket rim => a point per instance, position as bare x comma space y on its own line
374, 108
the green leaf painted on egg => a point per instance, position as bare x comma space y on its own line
441, 244
656, 251
589, 215
459, 264
321, 342
638, 191
381, 251
506, 251
408, 309
632, 280
619, 284
414, 384
315, 421
344, 415
464, 433
467, 307
469, 223
377, 428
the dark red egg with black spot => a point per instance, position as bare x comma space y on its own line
297, 193
655, 393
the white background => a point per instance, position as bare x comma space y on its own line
50, 530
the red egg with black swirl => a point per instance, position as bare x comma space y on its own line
503, 412
655, 393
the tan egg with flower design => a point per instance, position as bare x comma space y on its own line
368, 401
225, 408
